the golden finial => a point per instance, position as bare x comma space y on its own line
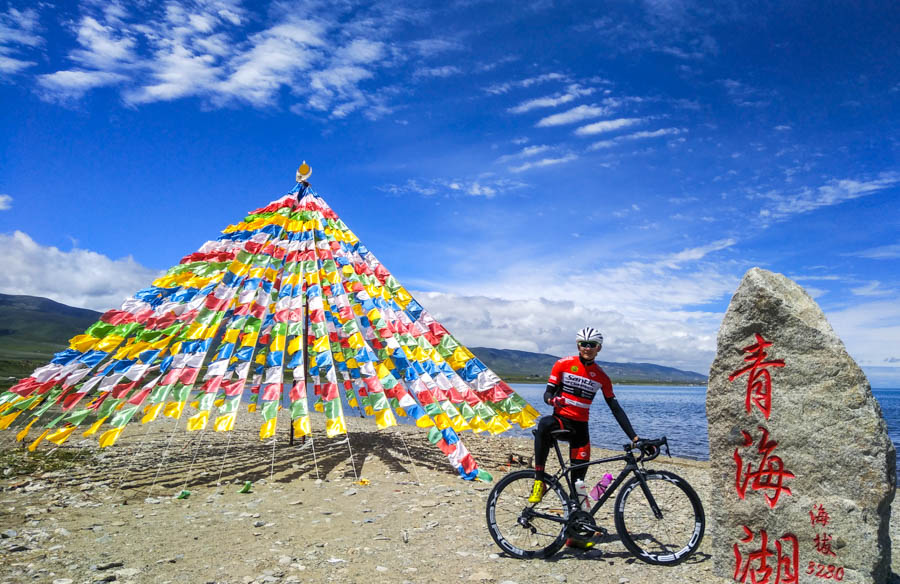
303, 172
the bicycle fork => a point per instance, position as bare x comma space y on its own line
657, 512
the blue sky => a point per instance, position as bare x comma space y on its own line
525, 168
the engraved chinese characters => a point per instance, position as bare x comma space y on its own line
802, 467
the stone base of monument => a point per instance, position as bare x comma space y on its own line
802, 466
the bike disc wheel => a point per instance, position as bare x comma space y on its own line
668, 539
522, 529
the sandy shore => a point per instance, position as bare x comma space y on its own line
112, 515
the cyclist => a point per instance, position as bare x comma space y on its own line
573, 383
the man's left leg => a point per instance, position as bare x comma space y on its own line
580, 452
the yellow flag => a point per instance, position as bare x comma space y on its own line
477, 425
61, 435
24, 431
198, 421
34, 444
267, 430
173, 410
442, 421
82, 342
109, 437
301, 426
498, 425
460, 424
94, 427
109, 343
6, 420
151, 411
385, 418
335, 427
425, 422
225, 423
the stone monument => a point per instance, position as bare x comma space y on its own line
803, 469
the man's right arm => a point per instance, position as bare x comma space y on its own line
551, 392
554, 384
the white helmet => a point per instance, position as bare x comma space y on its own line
589, 333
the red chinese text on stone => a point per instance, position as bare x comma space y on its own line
759, 381
823, 544
765, 565
819, 515
769, 474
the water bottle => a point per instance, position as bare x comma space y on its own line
581, 491
600, 487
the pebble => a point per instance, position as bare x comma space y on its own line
63, 581
107, 566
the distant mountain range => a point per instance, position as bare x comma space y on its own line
522, 366
33, 328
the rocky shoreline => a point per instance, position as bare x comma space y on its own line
394, 512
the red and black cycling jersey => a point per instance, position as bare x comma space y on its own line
577, 384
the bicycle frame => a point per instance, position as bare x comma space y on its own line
631, 466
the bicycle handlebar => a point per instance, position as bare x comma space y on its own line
650, 449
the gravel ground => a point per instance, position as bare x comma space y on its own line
113, 516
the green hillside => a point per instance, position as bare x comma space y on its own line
524, 367
32, 329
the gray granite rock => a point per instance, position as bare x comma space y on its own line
799, 448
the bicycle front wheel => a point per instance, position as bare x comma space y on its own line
522, 529
669, 537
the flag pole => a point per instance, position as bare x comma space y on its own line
303, 173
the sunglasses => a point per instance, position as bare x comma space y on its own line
588, 344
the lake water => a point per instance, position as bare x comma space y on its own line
676, 412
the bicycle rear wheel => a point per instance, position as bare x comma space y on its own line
673, 536
522, 529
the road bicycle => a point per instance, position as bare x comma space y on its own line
658, 516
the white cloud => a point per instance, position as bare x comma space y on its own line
576, 114
501, 88
274, 58
5, 202
635, 136
647, 310
571, 93
607, 126
834, 192
871, 333
872, 288
103, 47
526, 152
443, 71
882, 252
18, 33
66, 85
432, 47
544, 162
480, 187
77, 277
179, 49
